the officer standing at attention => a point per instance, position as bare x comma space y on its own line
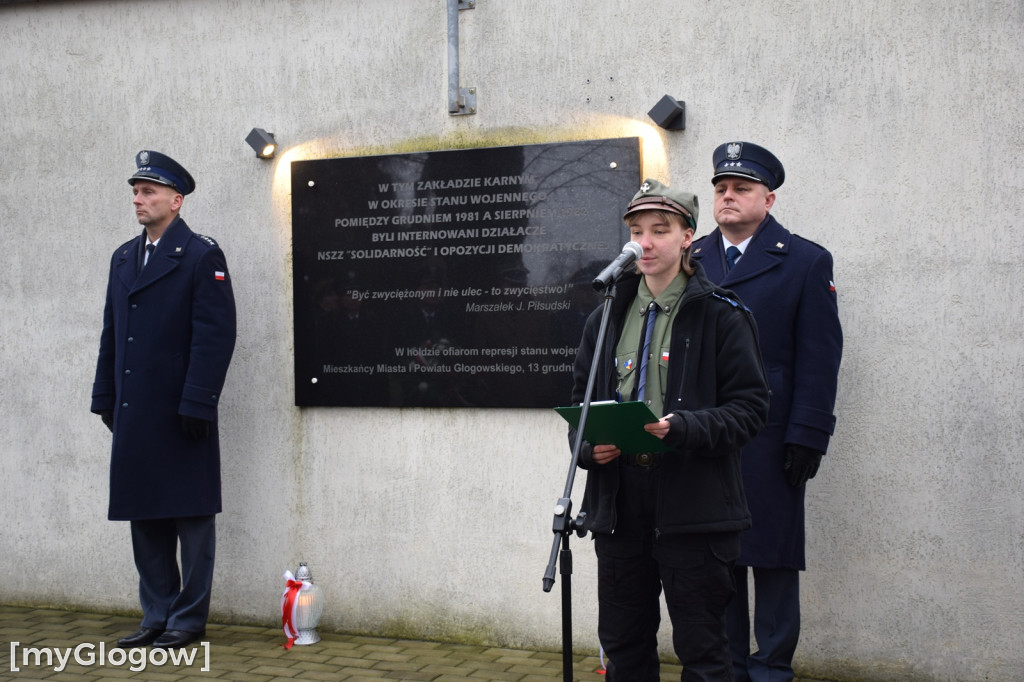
787, 282
670, 521
167, 339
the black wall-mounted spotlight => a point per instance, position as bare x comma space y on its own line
263, 142
669, 113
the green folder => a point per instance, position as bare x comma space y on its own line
620, 424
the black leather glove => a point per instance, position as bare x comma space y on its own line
108, 419
194, 428
801, 463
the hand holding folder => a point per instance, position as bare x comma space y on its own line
619, 424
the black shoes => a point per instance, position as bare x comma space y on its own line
174, 639
160, 639
144, 637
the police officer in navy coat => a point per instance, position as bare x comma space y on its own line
167, 339
787, 282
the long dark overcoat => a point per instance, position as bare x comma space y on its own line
787, 282
168, 335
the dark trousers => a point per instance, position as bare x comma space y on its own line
776, 625
173, 599
634, 566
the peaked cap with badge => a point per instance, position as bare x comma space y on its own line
655, 196
163, 170
750, 161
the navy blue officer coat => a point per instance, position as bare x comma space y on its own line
168, 336
787, 283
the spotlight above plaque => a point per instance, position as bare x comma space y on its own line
262, 142
669, 113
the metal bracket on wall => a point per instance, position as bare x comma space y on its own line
461, 101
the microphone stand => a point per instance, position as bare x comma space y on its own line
563, 524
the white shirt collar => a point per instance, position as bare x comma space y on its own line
742, 246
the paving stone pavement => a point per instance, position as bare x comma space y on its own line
255, 654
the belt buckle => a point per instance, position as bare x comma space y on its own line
644, 459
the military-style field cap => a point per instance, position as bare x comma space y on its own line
654, 196
162, 169
747, 160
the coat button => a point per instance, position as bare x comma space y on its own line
124, 404
127, 371
130, 339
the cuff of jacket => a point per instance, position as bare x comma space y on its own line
200, 402
102, 398
676, 430
586, 460
810, 427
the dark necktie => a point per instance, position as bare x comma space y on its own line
149, 252
731, 254
652, 312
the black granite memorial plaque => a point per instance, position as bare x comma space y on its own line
452, 279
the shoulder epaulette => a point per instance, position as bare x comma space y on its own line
810, 241
203, 237
734, 303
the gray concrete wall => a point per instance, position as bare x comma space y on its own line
900, 126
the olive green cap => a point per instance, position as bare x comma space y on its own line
655, 196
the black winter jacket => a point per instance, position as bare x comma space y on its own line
717, 391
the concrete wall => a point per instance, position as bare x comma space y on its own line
900, 127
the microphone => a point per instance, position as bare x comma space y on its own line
630, 252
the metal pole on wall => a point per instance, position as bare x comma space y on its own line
461, 101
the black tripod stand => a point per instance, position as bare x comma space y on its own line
563, 524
